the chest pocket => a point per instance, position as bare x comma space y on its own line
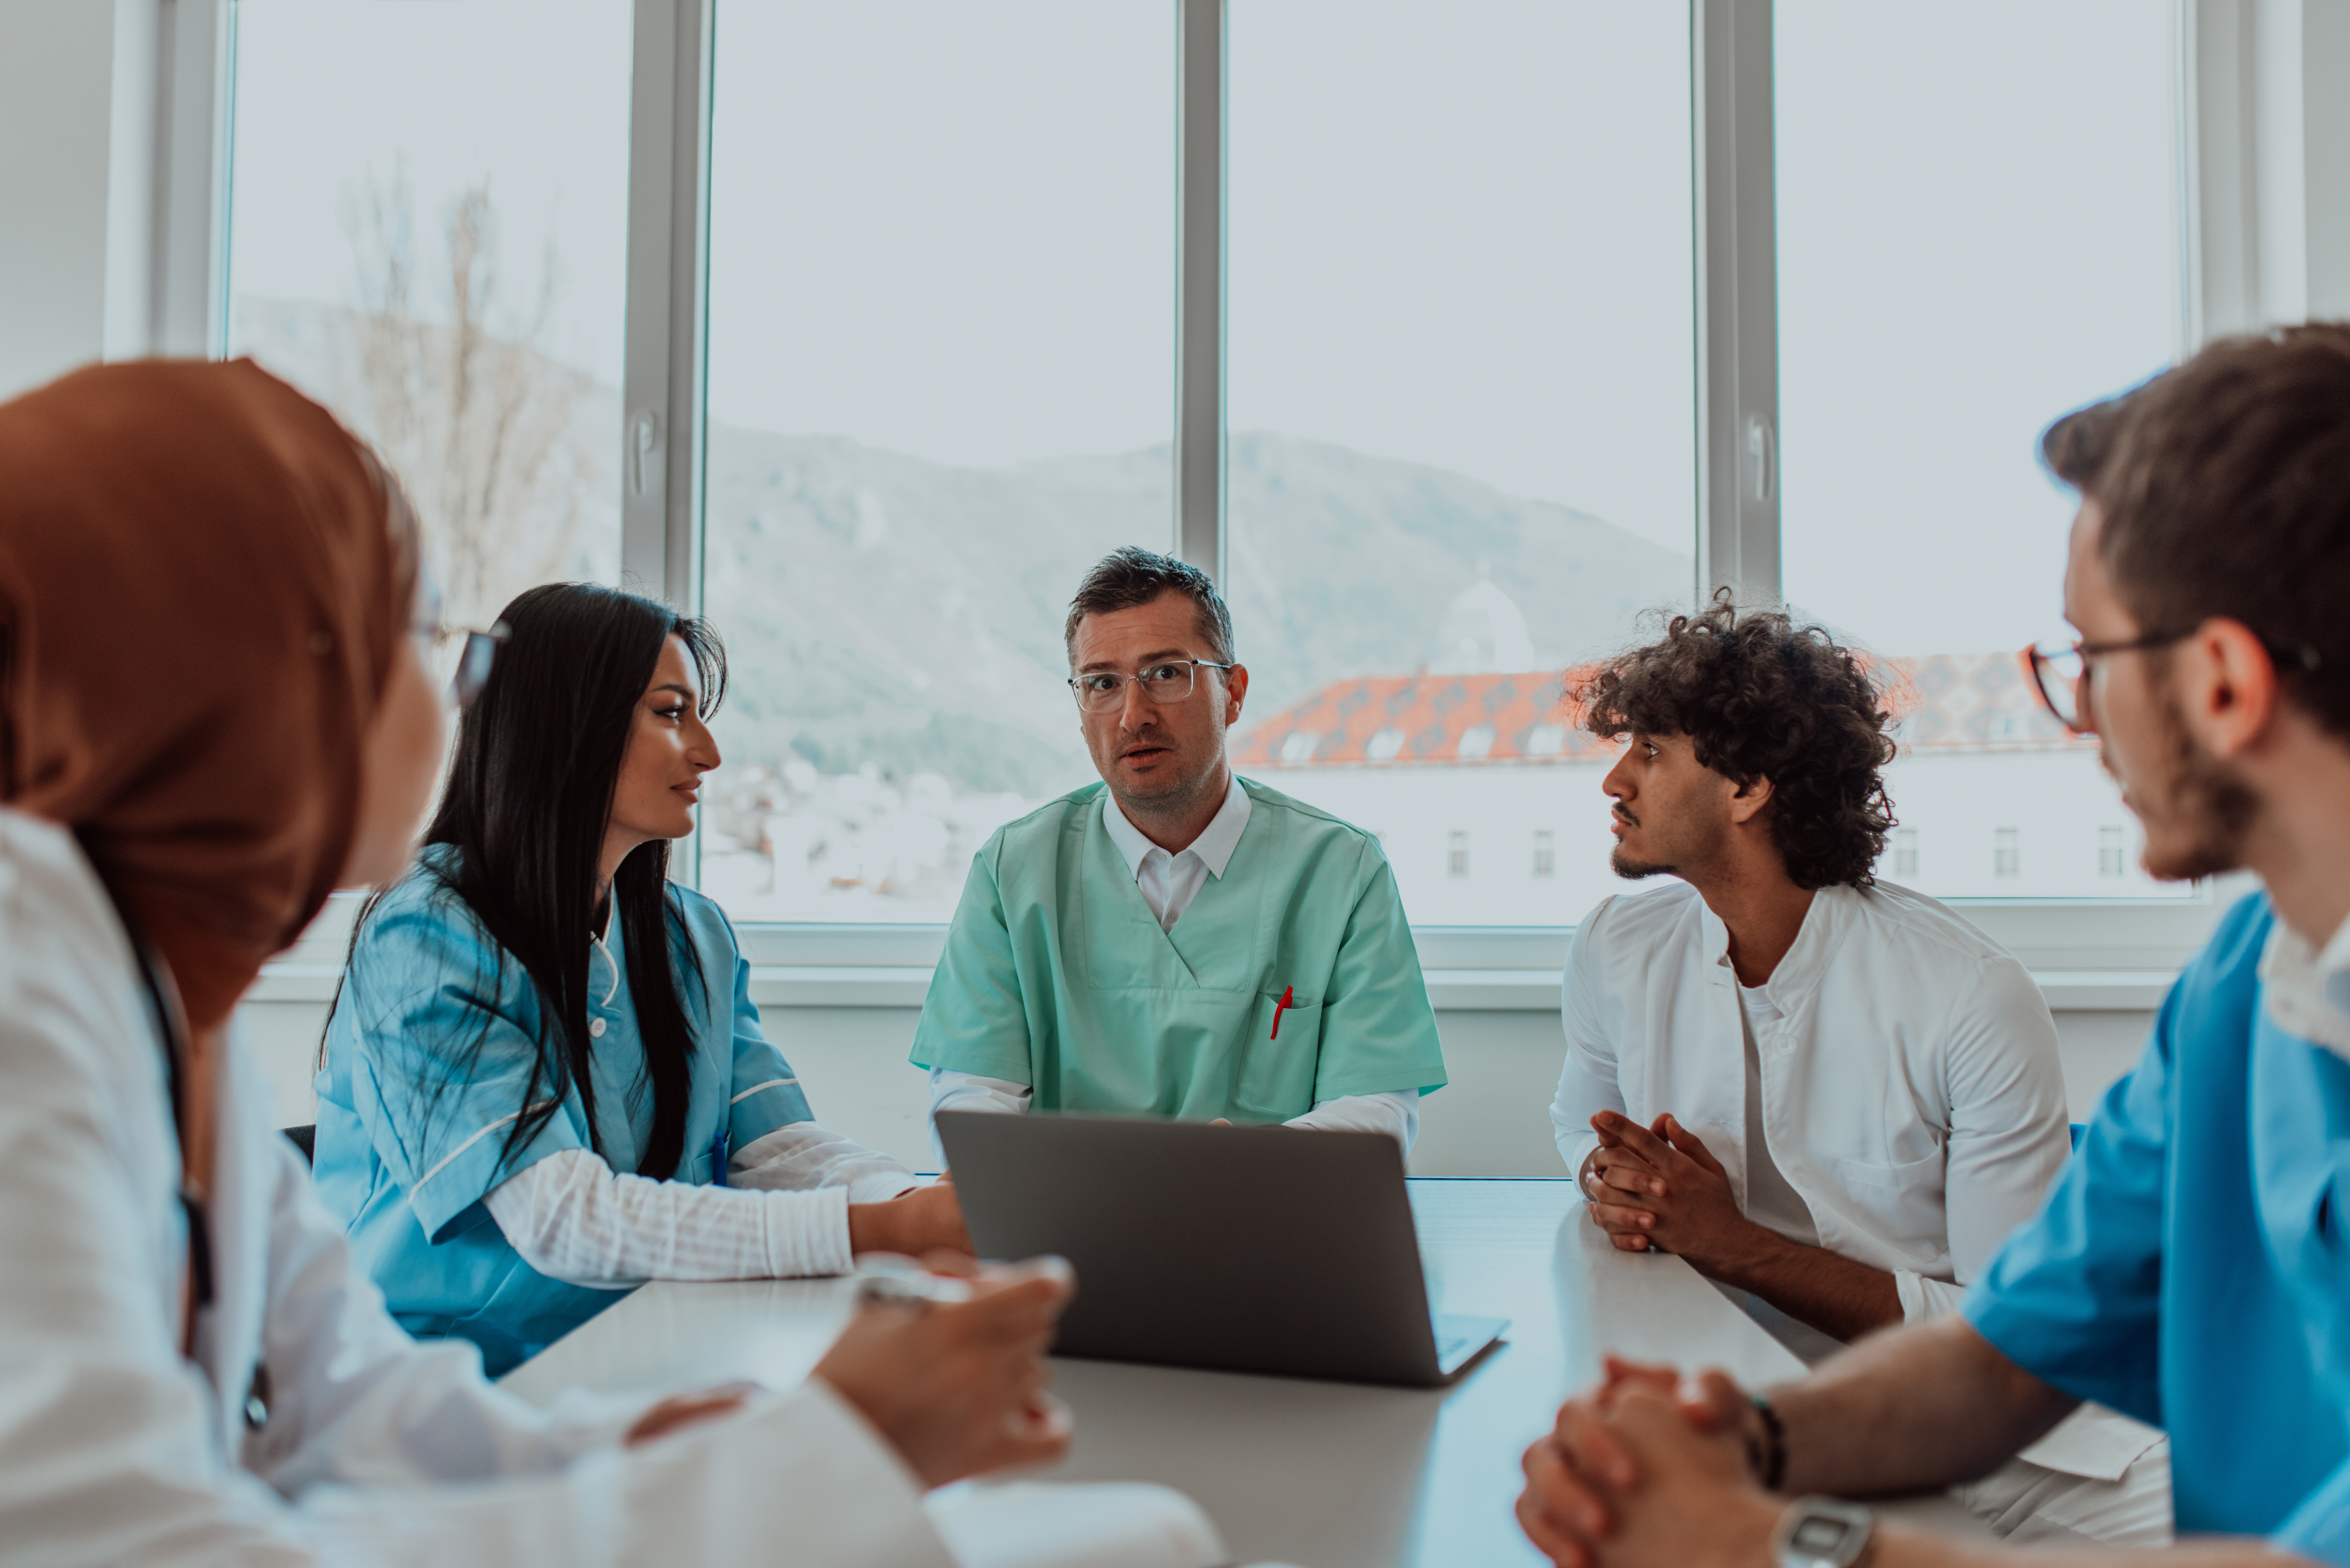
1277, 1064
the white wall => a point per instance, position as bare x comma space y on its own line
1492, 1119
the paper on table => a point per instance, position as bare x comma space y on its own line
1110, 1524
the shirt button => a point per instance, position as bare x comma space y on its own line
596, 1028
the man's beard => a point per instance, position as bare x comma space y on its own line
2203, 798
1633, 870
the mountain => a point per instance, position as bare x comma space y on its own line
882, 610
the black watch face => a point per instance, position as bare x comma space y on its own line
1816, 1535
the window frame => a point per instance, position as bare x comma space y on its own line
2091, 953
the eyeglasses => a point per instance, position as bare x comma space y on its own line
476, 652
2060, 674
1101, 691
2060, 670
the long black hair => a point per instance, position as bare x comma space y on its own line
529, 795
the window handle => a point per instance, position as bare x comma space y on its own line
1762, 456
644, 440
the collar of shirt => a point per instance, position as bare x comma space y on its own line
2308, 990
1805, 963
1213, 848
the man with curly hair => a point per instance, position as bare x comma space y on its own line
1826, 1092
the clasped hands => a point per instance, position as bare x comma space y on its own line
1649, 1470
1659, 1188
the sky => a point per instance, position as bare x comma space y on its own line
1459, 233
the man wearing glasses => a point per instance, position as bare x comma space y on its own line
1175, 941
2191, 1266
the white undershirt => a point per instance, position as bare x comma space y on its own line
1168, 883
1770, 1201
572, 1217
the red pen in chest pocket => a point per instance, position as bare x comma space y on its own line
1286, 1002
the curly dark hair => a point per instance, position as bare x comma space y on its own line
1763, 697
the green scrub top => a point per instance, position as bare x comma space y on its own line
1056, 974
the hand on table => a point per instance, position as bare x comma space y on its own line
683, 1410
959, 1388
1648, 1467
923, 1220
1659, 1188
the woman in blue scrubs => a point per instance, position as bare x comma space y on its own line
543, 1081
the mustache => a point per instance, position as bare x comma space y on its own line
1622, 815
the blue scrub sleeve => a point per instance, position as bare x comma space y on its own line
974, 1019
1379, 1031
2075, 1295
441, 1053
766, 1092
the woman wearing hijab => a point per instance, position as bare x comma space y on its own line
213, 710
543, 1080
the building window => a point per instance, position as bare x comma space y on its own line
1904, 852
1455, 855
2111, 850
2006, 857
1545, 853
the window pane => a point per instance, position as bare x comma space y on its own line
942, 385
1974, 236
1460, 382
428, 234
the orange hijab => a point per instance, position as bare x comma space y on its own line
202, 582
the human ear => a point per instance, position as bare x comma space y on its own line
1235, 693
1749, 800
2226, 686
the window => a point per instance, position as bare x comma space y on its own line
1460, 447
2110, 854
1545, 853
434, 246
1905, 854
1973, 237
940, 371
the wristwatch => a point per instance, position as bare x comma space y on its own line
1821, 1532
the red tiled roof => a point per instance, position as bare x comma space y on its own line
1944, 701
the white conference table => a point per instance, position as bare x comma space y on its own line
1324, 1475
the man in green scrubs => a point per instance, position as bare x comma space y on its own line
1175, 941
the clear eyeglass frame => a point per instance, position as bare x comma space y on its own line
1166, 681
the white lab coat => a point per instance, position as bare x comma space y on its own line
1912, 1093
375, 1450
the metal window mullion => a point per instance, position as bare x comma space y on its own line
194, 88
1736, 236
1200, 304
661, 380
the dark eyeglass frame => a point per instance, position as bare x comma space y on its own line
2040, 665
1115, 696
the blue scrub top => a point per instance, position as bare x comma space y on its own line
406, 1148
2191, 1267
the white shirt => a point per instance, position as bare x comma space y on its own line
1168, 883
2308, 990
375, 1448
1909, 1089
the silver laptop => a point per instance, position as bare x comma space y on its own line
1256, 1249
